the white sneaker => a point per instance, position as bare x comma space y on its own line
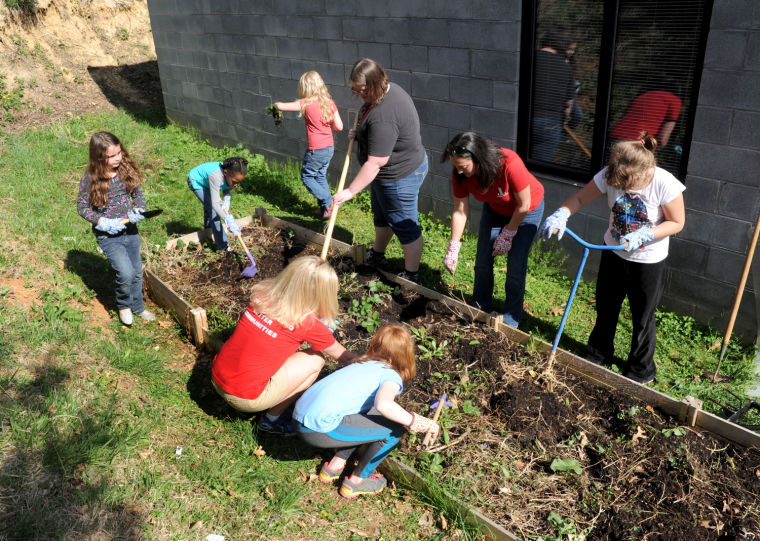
125, 315
147, 315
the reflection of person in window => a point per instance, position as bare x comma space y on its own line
554, 87
655, 112
576, 113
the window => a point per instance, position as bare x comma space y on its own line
595, 72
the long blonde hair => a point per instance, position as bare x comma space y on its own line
306, 286
100, 180
311, 87
393, 346
630, 161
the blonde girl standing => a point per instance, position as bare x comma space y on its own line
321, 117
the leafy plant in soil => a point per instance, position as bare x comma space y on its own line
276, 114
581, 460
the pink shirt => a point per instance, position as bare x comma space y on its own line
318, 132
647, 112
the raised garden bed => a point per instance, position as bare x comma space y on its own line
598, 456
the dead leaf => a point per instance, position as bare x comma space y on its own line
358, 532
196, 525
444, 523
584, 440
715, 346
260, 452
303, 477
520, 465
757, 474
231, 492
145, 454
269, 493
556, 311
505, 490
650, 409
426, 519
312, 477
639, 435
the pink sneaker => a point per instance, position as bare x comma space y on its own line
370, 485
326, 475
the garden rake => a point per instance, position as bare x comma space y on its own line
251, 270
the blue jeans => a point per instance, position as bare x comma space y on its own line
544, 137
123, 252
394, 204
491, 224
210, 218
314, 174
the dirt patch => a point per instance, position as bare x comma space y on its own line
582, 459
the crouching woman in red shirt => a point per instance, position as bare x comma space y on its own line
260, 368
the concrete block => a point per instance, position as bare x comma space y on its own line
254, 7
342, 52
678, 306
719, 88
731, 14
429, 32
700, 227
495, 65
486, 35
263, 45
298, 7
724, 163
355, 28
688, 255
395, 31
745, 131
379, 52
237, 62
494, 123
370, 8
740, 202
712, 125
752, 60
406, 8
471, 91
426, 85
402, 78
725, 49
327, 28
300, 27
452, 10
503, 10
435, 139
731, 234
701, 194
217, 61
277, 67
409, 57
257, 65
724, 266
302, 49
448, 61
706, 294
447, 114
341, 9
505, 96
273, 25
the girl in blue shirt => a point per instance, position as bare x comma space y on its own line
356, 405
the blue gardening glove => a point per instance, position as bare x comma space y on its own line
555, 223
110, 225
135, 215
226, 202
503, 242
636, 239
332, 326
229, 221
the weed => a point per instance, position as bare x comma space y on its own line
566, 528
122, 34
566, 465
670, 432
25, 6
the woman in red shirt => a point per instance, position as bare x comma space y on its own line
262, 367
513, 205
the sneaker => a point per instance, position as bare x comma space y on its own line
328, 212
282, 426
409, 275
125, 315
375, 259
147, 315
326, 475
638, 379
371, 485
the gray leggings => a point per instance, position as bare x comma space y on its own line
380, 434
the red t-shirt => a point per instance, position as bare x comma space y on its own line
500, 195
258, 348
647, 112
318, 132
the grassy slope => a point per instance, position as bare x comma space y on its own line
92, 417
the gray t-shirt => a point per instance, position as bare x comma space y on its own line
391, 128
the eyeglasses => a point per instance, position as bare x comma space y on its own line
458, 150
360, 91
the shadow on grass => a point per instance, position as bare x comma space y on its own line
182, 228
135, 88
96, 273
43, 490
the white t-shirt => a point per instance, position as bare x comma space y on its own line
634, 209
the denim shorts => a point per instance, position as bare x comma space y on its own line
394, 204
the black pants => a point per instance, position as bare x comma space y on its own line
643, 284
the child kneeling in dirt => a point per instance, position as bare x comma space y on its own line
260, 367
356, 405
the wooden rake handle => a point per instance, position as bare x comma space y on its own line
341, 182
436, 414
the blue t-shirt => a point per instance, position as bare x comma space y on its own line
200, 176
347, 391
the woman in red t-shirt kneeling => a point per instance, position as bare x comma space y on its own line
261, 367
513, 205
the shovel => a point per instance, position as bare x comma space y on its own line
146, 214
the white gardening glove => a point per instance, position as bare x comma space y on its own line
636, 239
503, 242
229, 221
555, 223
452, 256
226, 202
424, 424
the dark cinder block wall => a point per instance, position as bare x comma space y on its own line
222, 62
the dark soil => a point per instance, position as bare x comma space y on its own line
506, 440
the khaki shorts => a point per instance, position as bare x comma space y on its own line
273, 394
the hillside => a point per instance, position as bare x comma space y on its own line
75, 56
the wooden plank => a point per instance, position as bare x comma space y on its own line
167, 298
198, 316
402, 474
303, 233
203, 235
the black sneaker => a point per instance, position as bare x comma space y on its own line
375, 259
411, 276
639, 379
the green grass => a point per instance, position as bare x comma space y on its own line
92, 414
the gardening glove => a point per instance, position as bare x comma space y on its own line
555, 223
636, 239
424, 424
332, 326
452, 256
503, 242
229, 221
226, 203
135, 215
110, 225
